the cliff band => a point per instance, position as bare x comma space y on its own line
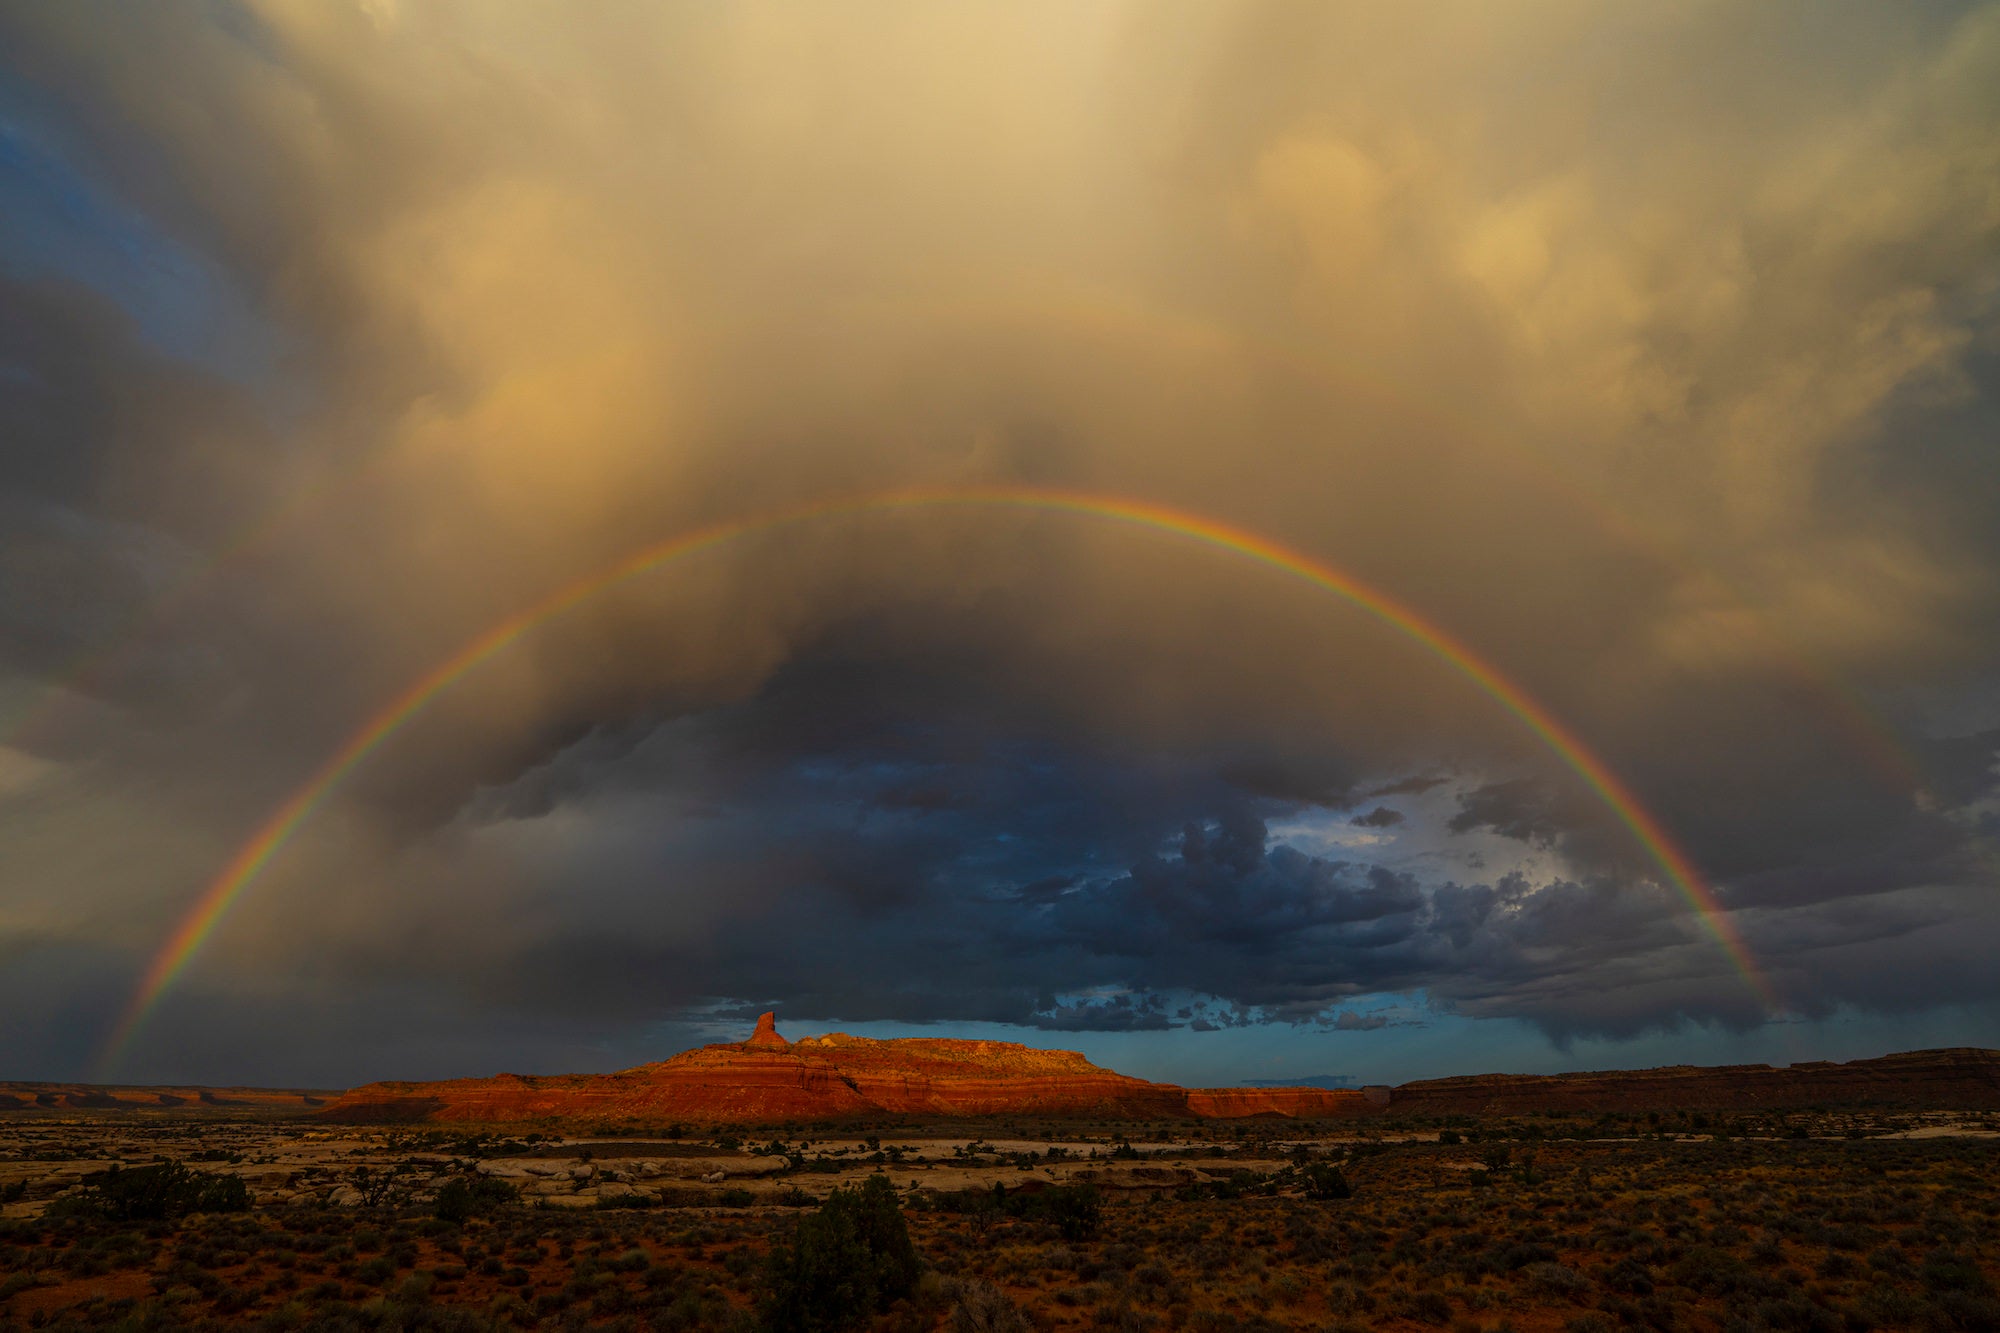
768, 1080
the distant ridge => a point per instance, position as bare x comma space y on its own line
1955, 1078
57, 1097
768, 1080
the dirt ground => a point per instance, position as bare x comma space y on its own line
1808, 1223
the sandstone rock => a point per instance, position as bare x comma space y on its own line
767, 1080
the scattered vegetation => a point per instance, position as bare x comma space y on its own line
153, 1193
847, 1261
1584, 1227
465, 1197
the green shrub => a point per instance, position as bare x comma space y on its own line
1429, 1307
1324, 1180
1710, 1271
467, 1197
850, 1259
152, 1193
984, 1308
1944, 1270
1075, 1211
1551, 1279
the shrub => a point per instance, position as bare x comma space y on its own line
1794, 1314
1630, 1276
1074, 1210
375, 1271
1324, 1180
1945, 1271
1520, 1254
1430, 1307
984, 1308
847, 1261
156, 1193
1711, 1271
467, 1197
1551, 1279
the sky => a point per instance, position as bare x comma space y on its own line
1640, 363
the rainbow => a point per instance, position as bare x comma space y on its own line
215, 901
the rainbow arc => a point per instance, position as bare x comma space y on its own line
201, 920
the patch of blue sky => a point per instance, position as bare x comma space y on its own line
1422, 844
1421, 1043
59, 222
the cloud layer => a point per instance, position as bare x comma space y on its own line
1650, 353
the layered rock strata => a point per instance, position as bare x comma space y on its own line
767, 1080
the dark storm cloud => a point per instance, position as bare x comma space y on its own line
1520, 808
1674, 407
1116, 1013
1415, 785
958, 914
1962, 768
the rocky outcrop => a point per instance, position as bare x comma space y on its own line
1963, 1078
768, 1080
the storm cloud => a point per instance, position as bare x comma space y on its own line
1650, 354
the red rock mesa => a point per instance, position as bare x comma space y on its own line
768, 1080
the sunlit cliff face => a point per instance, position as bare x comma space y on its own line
1649, 354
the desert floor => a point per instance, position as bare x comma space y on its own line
1820, 1223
